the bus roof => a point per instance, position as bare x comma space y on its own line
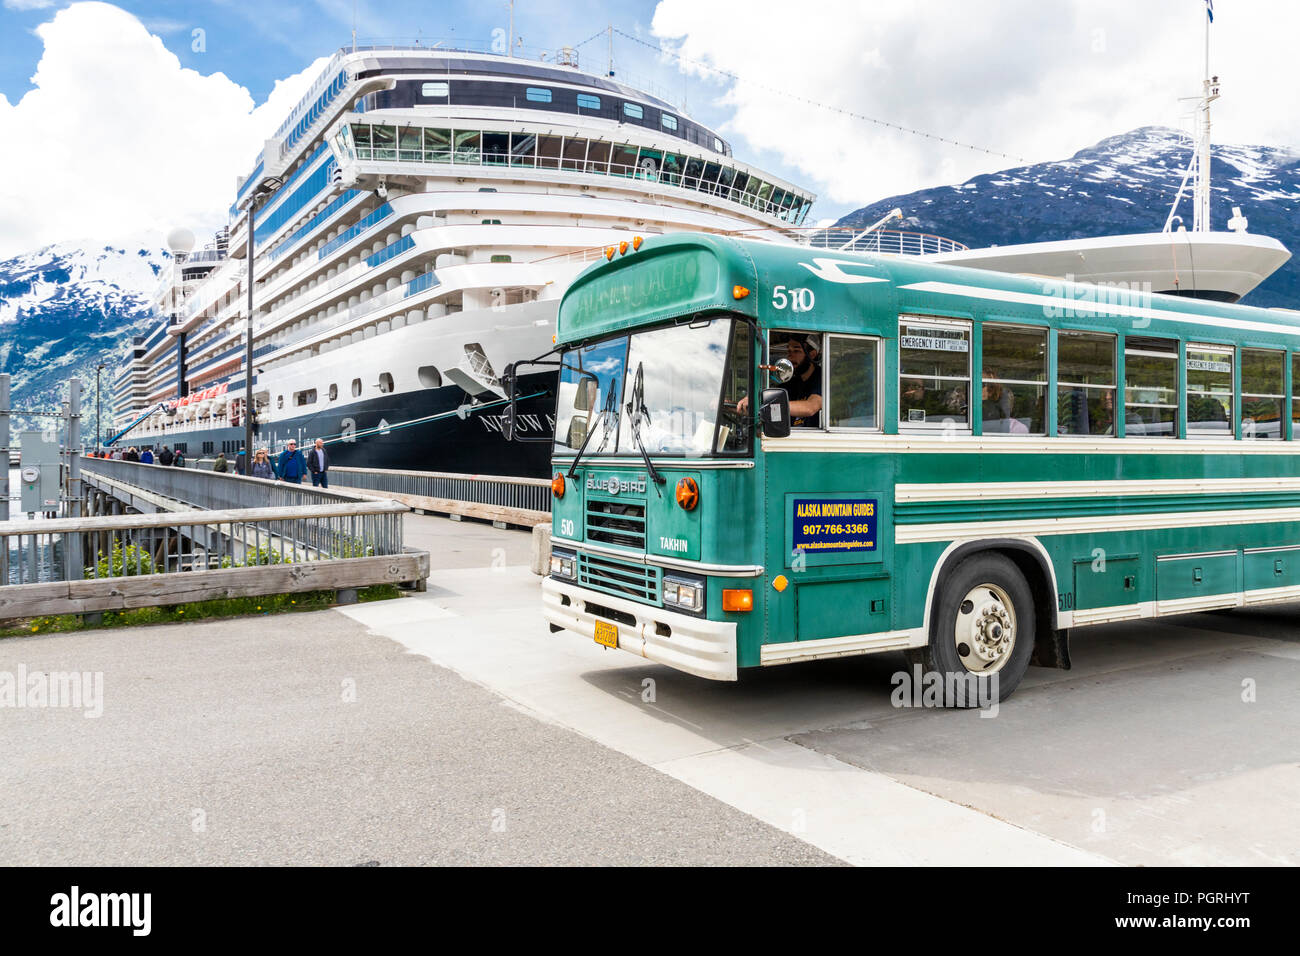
687, 274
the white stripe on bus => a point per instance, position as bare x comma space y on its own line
1061, 303
1098, 524
876, 444
1012, 490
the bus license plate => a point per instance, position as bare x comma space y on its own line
607, 634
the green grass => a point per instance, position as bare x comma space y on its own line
195, 611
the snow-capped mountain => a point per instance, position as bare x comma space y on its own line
1124, 184
63, 310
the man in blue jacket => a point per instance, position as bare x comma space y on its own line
292, 466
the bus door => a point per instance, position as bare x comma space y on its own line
829, 496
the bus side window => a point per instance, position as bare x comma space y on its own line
934, 372
1085, 383
1013, 391
852, 366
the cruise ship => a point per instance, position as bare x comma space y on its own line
420, 213
429, 208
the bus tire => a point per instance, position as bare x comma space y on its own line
982, 631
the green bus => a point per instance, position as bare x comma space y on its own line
977, 464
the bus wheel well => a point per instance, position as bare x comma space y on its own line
1051, 645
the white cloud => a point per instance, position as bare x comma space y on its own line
1031, 79
116, 139
28, 4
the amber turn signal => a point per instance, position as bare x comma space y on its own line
688, 494
739, 292
636, 243
609, 252
622, 248
557, 485
737, 599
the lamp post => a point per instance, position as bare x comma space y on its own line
99, 409
267, 186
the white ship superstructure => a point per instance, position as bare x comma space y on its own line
430, 209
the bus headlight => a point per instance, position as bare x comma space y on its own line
683, 593
564, 565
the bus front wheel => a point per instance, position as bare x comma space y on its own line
982, 631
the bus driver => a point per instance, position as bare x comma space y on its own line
805, 388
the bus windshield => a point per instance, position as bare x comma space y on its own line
681, 382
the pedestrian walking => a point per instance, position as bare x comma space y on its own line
221, 464
318, 461
262, 467
165, 457
291, 467
179, 459
146, 457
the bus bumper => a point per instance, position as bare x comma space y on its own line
695, 645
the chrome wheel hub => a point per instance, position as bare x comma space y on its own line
985, 630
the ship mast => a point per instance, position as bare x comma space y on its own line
1198, 169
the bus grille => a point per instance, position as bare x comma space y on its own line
622, 578
617, 522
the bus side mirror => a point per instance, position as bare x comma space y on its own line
774, 413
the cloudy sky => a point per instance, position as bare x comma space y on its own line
122, 120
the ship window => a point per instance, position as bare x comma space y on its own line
575, 153
334, 392
588, 102
385, 382
279, 401
356, 388
306, 397
467, 147
501, 257
496, 149
361, 136
717, 145
491, 222
436, 89
633, 110
624, 161
598, 157
430, 377
410, 144
437, 145
1261, 393
537, 95
522, 147
548, 151
385, 141
669, 121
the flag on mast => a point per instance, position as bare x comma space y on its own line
1209, 9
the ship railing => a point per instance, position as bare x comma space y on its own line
899, 242
501, 499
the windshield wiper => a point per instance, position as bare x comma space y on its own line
608, 416
636, 410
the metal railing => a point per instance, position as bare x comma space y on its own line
120, 546
899, 242
485, 496
212, 490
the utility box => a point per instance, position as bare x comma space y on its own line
38, 472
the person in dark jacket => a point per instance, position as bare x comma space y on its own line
318, 461
179, 459
131, 454
165, 457
291, 467
221, 464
